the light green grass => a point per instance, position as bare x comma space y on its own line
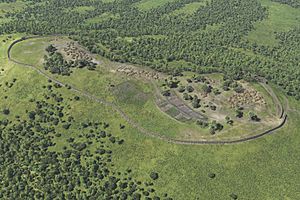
136, 97
264, 169
281, 18
190, 8
145, 5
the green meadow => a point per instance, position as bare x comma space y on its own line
259, 169
61, 142
281, 18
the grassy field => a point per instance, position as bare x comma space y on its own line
145, 5
281, 18
132, 96
9, 7
190, 8
261, 169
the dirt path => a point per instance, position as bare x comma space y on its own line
127, 118
280, 109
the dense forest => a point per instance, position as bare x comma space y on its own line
209, 40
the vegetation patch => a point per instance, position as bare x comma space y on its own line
56, 63
129, 92
281, 18
83, 9
146, 5
190, 8
101, 18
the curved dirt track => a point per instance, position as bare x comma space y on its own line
115, 108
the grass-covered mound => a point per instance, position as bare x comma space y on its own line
185, 106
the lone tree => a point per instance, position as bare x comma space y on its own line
254, 117
228, 120
196, 102
215, 126
181, 89
166, 93
211, 175
173, 84
51, 49
190, 88
154, 175
6, 111
206, 88
186, 96
239, 89
239, 112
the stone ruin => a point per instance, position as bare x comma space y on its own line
248, 97
140, 73
75, 53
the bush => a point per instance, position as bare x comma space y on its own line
190, 88
6, 111
166, 93
239, 89
186, 96
211, 175
196, 102
202, 124
181, 89
233, 196
239, 113
206, 88
66, 126
154, 175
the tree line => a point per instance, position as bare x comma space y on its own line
210, 40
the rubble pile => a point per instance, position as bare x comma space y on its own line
248, 97
75, 53
132, 71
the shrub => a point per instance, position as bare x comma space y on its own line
190, 88
181, 89
206, 88
239, 89
233, 196
166, 93
254, 117
239, 113
154, 175
196, 102
6, 111
211, 175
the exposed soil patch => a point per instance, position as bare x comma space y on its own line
192, 141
